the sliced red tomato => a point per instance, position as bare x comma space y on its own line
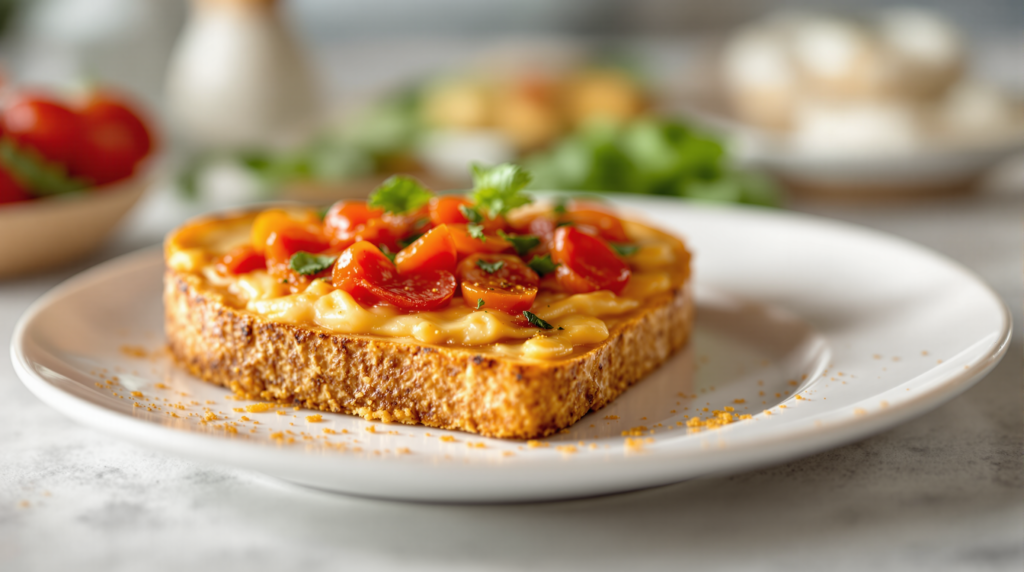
11, 190
351, 221
114, 139
503, 281
466, 244
241, 260
344, 217
435, 250
39, 123
448, 210
586, 263
364, 272
273, 220
607, 225
286, 240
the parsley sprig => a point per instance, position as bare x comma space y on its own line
535, 320
523, 243
624, 249
400, 194
497, 190
308, 264
542, 264
490, 267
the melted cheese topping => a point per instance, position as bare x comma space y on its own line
659, 265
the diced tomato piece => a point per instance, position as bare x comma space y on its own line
447, 210
241, 260
274, 220
465, 244
511, 286
351, 221
364, 272
607, 225
286, 241
435, 250
344, 217
587, 263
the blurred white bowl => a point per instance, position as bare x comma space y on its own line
45, 233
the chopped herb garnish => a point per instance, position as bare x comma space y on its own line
479, 303
523, 243
490, 267
420, 223
409, 240
499, 189
476, 231
560, 328
400, 194
623, 248
560, 204
321, 213
535, 320
387, 252
563, 223
542, 264
471, 214
308, 264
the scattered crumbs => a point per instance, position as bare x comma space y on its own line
507, 453
161, 386
643, 419
315, 418
210, 416
938, 361
877, 356
760, 382
479, 445
673, 411
373, 429
767, 412
134, 351
793, 382
566, 430
739, 401
279, 412
860, 411
612, 417
895, 358
566, 449
803, 377
760, 393
427, 434
402, 451
330, 431
592, 446
635, 445
782, 406
778, 395
296, 408
447, 438
635, 431
883, 403
257, 407
137, 394
238, 409
534, 444
244, 418
800, 398
24, 504
277, 435
924, 352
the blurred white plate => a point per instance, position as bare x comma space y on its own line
823, 332
50, 231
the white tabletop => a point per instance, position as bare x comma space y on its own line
943, 492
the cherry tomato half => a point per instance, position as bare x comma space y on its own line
273, 220
364, 272
586, 263
44, 125
241, 260
447, 210
607, 225
465, 244
510, 286
343, 218
286, 241
435, 250
113, 139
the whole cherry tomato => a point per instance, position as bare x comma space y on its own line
344, 217
11, 190
241, 260
586, 263
364, 272
435, 250
502, 281
43, 125
113, 139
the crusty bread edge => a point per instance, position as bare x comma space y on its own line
398, 381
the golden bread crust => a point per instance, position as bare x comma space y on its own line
400, 381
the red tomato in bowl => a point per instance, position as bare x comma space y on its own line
41, 124
114, 139
11, 190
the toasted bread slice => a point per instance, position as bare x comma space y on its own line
396, 380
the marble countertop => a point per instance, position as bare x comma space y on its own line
943, 492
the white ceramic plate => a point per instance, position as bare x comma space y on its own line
822, 332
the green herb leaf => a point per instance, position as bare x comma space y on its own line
479, 303
400, 194
322, 212
420, 223
387, 252
308, 264
499, 189
624, 249
560, 205
471, 214
535, 320
403, 242
35, 173
490, 267
477, 232
542, 264
523, 243
560, 328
